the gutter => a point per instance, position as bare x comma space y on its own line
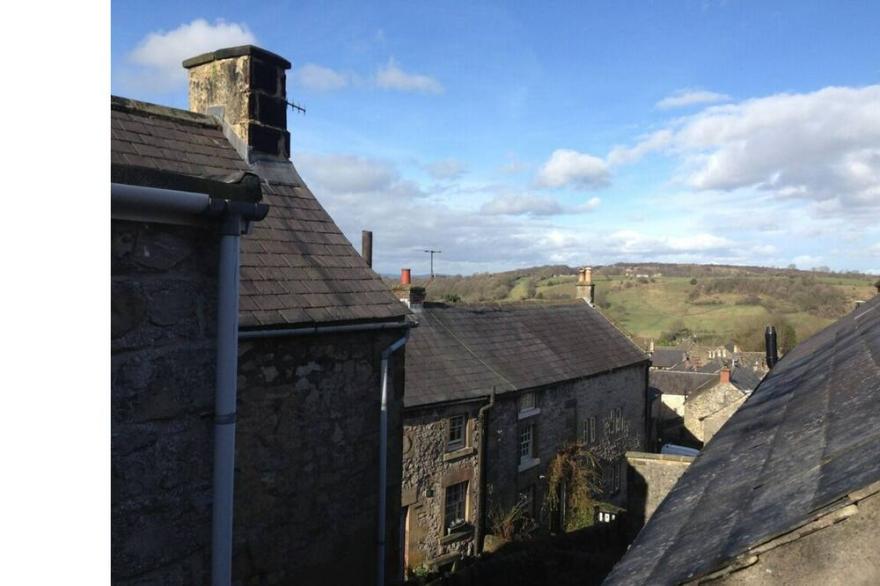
483, 417
383, 456
151, 204
328, 329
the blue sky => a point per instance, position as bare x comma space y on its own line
517, 134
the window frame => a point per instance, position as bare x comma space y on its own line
460, 442
588, 432
530, 430
460, 502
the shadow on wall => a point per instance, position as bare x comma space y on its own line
671, 430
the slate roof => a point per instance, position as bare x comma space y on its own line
744, 378
806, 437
667, 357
714, 365
460, 352
297, 267
680, 382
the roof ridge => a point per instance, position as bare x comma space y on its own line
157, 110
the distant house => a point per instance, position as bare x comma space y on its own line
667, 357
788, 491
240, 313
492, 394
694, 404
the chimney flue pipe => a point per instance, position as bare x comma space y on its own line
770, 345
367, 247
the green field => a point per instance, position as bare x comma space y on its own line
715, 304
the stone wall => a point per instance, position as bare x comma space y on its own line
558, 419
307, 459
306, 492
708, 410
428, 468
650, 478
163, 312
562, 410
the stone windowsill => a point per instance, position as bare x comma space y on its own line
459, 453
464, 533
528, 464
531, 412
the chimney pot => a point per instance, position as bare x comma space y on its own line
367, 247
405, 276
770, 346
246, 87
725, 375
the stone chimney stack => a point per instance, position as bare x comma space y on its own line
585, 289
245, 87
408, 293
725, 375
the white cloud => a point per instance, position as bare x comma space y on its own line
445, 169
691, 97
821, 147
321, 79
160, 54
588, 206
392, 77
566, 167
516, 205
634, 243
353, 175
805, 261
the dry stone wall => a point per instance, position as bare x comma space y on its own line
651, 477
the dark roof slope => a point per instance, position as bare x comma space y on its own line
166, 139
296, 265
745, 378
667, 357
807, 436
461, 352
680, 382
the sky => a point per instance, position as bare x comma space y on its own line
516, 134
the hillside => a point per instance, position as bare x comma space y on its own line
667, 302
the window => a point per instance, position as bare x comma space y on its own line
606, 517
611, 474
455, 440
588, 434
456, 506
615, 424
526, 443
527, 401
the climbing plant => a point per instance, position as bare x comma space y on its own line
574, 474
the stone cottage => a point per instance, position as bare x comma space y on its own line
788, 490
492, 394
314, 382
694, 404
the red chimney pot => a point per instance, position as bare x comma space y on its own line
405, 277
